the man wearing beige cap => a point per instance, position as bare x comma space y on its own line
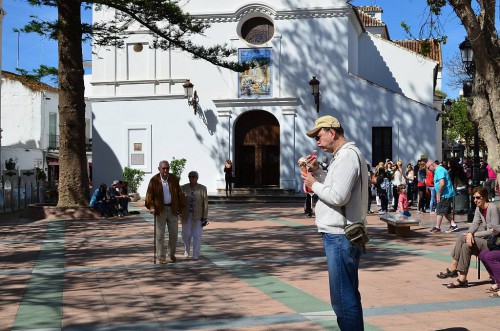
342, 195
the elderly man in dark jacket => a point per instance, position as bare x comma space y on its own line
165, 200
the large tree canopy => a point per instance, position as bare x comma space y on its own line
456, 125
165, 19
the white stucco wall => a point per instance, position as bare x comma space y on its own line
152, 109
25, 158
25, 123
396, 68
21, 112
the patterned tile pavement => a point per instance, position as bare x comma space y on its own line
262, 268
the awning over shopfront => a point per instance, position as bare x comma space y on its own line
52, 161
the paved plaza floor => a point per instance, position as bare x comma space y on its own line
262, 268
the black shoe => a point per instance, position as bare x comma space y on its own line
460, 284
447, 274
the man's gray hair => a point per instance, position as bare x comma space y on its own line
193, 173
164, 161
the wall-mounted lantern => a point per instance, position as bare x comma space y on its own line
191, 96
314, 83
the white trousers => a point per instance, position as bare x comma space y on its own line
191, 232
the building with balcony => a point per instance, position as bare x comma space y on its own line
30, 124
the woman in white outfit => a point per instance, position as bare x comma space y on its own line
397, 180
194, 215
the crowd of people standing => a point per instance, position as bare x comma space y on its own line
432, 186
388, 176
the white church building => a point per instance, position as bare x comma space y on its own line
382, 92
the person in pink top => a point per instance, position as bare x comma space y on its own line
490, 182
403, 200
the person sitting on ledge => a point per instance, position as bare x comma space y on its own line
123, 198
99, 200
474, 241
491, 261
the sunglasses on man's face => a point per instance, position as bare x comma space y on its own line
318, 137
476, 197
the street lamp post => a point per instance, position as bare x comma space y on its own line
468, 60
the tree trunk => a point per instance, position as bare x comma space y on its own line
485, 111
73, 176
484, 108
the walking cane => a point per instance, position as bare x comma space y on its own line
154, 239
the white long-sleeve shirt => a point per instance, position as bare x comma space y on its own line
341, 187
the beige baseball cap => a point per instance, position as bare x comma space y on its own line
323, 122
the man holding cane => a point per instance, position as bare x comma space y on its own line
342, 194
165, 200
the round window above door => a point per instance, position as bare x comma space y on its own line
257, 30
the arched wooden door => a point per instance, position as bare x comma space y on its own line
257, 150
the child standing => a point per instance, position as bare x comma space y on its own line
403, 200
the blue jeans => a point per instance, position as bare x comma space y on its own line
432, 203
102, 207
343, 262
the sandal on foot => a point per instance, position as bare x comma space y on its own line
447, 274
495, 295
460, 284
492, 289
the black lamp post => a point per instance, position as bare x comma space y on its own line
467, 57
447, 106
314, 83
468, 61
445, 109
470, 68
192, 97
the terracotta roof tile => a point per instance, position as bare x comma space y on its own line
416, 46
369, 21
412, 45
33, 85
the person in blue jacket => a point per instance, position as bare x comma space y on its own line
99, 200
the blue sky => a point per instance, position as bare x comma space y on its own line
35, 50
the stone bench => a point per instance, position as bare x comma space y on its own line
399, 224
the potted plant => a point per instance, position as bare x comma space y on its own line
40, 174
177, 166
10, 164
134, 178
